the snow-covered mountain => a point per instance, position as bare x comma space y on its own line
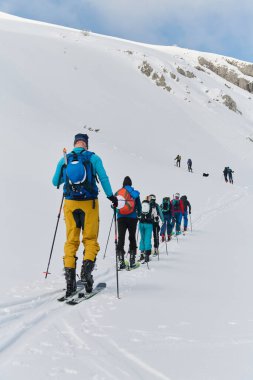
190, 316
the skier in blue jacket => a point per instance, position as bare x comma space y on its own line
81, 209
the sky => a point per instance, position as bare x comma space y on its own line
220, 26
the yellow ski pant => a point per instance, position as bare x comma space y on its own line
81, 217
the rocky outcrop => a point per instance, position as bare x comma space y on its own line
230, 103
146, 68
160, 80
229, 75
245, 68
187, 74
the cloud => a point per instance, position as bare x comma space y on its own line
223, 27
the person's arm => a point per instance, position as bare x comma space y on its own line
58, 175
190, 207
138, 206
160, 213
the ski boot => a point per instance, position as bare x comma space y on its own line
132, 259
121, 257
169, 238
142, 256
185, 229
163, 238
86, 276
155, 252
147, 254
70, 276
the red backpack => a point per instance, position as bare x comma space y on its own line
126, 204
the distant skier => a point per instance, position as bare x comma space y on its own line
129, 208
156, 215
178, 160
225, 173
167, 224
187, 206
177, 210
189, 164
230, 175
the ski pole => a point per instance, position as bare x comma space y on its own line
58, 217
191, 222
166, 236
52, 247
108, 239
116, 243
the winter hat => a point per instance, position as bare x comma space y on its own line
81, 137
127, 181
152, 197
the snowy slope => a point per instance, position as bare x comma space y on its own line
189, 316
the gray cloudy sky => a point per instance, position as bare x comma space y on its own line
220, 26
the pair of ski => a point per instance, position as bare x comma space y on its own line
80, 295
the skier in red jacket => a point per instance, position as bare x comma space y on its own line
177, 210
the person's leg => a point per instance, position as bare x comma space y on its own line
73, 229
73, 215
148, 238
90, 242
132, 224
142, 237
178, 216
185, 216
122, 227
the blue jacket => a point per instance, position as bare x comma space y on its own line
97, 167
135, 194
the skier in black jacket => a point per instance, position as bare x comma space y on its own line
187, 206
230, 175
225, 172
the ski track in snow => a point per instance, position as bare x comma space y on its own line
21, 320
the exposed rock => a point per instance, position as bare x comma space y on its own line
187, 74
245, 68
155, 76
181, 71
173, 76
161, 82
146, 68
199, 68
230, 75
230, 103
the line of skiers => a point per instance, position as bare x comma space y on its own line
79, 172
178, 162
130, 210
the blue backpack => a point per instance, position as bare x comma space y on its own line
79, 178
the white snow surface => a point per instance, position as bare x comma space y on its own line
190, 317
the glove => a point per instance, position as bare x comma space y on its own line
190, 212
114, 200
157, 219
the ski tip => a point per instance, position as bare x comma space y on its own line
101, 285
